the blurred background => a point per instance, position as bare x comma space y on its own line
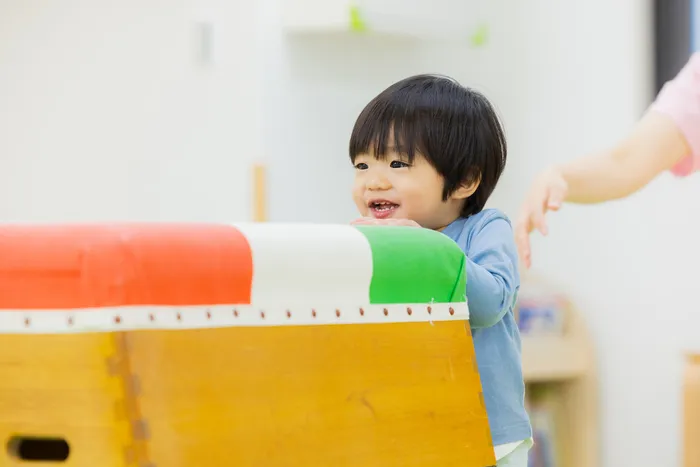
158, 110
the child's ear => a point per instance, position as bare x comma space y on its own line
467, 189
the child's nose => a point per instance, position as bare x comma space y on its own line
377, 183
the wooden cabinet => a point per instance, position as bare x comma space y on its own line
560, 374
691, 411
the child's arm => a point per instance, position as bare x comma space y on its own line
492, 272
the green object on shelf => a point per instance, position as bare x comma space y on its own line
480, 36
357, 24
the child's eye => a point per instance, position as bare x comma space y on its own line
361, 166
398, 164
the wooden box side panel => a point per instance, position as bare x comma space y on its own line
344, 395
64, 387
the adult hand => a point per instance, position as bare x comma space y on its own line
373, 221
547, 193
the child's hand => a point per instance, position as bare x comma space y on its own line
373, 221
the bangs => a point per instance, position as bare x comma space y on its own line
387, 126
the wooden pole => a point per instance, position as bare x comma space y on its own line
259, 194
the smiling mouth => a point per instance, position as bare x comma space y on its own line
382, 209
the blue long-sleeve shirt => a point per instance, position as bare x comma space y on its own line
492, 287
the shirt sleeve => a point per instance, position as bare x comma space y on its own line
680, 100
492, 272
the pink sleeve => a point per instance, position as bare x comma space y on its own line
680, 100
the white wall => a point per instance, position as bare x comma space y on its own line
108, 116
106, 113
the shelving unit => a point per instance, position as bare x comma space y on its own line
691, 409
466, 20
562, 370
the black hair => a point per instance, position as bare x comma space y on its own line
455, 128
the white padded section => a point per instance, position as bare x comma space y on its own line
308, 264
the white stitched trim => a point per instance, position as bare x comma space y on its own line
197, 317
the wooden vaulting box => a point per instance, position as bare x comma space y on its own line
245, 345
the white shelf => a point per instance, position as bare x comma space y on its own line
466, 20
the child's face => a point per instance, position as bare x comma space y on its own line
392, 188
